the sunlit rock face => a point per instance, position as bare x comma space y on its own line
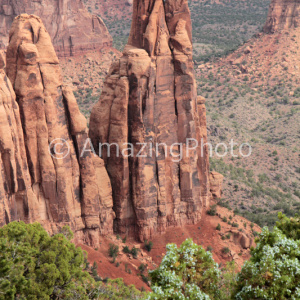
72, 28
283, 14
150, 97
37, 113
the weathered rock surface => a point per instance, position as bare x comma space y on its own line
150, 97
56, 186
72, 28
215, 182
283, 14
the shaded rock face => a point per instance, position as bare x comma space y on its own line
283, 14
72, 28
150, 97
41, 185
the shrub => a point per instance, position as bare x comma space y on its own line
218, 227
225, 250
113, 250
142, 267
134, 252
148, 245
212, 211
126, 249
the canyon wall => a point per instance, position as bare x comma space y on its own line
56, 186
283, 14
150, 98
72, 28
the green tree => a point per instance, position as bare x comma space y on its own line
34, 265
187, 272
273, 271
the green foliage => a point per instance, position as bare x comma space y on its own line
187, 272
148, 245
218, 227
113, 250
126, 250
228, 281
289, 226
116, 290
134, 252
212, 211
273, 271
225, 250
34, 265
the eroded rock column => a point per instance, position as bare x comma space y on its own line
150, 98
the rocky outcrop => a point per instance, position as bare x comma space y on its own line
215, 182
72, 28
283, 14
150, 98
57, 185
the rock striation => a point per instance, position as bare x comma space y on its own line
283, 14
150, 98
72, 28
56, 186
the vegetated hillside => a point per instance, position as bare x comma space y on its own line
218, 26
253, 96
226, 235
221, 26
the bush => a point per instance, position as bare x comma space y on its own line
273, 270
218, 227
187, 272
225, 250
212, 211
142, 267
148, 245
134, 252
113, 250
126, 249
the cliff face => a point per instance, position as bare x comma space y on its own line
72, 28
55, 186
283, 14
150, 97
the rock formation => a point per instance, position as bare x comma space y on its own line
72, 28
215, 182
283, 14
150, 97
58, 185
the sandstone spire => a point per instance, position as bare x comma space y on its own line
150, 97
72, 28
283, 14
71, 189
